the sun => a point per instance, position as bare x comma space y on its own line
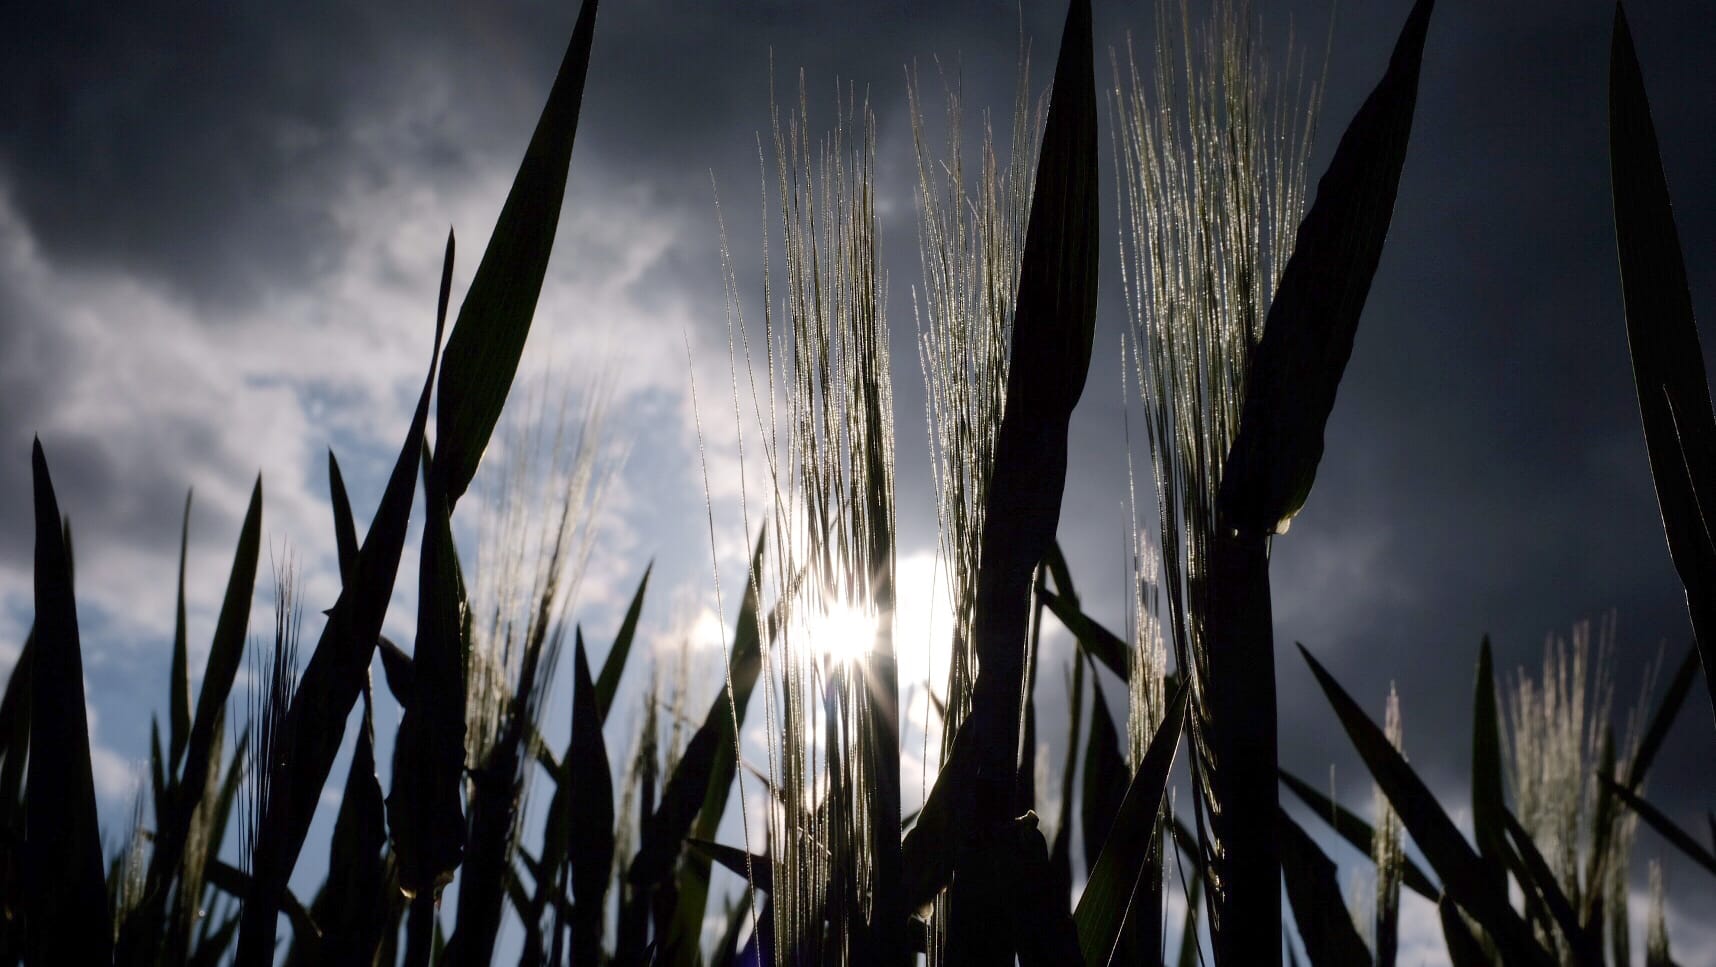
840, 633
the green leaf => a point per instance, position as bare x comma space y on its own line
1463, 875
1308, 335
15, 727
1464, 950
591, 852
1662, 719
1677, 837
1100, 643
488, 338
345, 529
727, 948
237, 884
1489, 809
62, 841
176, 810
615, 664
425, 813
1105, 778
1054, 320
1189, 947
1008, 871
396, 671
1318, 906
353, 908
1355, 830
1585, 948
334, 677
754, 868
696, 794
179, 678
1060, 852
1668, 362
1101, 910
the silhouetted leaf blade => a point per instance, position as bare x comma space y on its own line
62, 841
1318, 906
591, 848
1668, 362
487, 340
1679, 838
425, 814
334, 677
615, 664
179, 676
1101, 909
1308, 336
1462, 873
1355, 830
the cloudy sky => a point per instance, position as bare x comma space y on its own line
221, 225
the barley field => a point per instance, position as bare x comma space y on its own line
1141, 482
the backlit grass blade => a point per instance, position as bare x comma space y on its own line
1668, 362
488, 338
15, 736
334, 677
396, 671
1638, 765
1489, 808
1584, 949
1009, 873
1462, 873
1060, 852
1105, 778
1464, 950
140, 936
1679, 838
179, 676
608, 682
1308, 336
755, 868
1101, 910
1054, 319
1319, 909
1357, 831
67, 897
695, 796
1103, 645
425, 814
345, 529
353, 908
1662, 719
591, 852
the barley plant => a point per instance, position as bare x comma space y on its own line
1243, 290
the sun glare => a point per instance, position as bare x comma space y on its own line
840, 633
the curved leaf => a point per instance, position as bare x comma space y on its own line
179, 677
1101, 910
591, 851
1319, 908
1308, 335
1355, 830
1668, 362
67, 896
425, 814
1489, 809
488, 338
333, 679
615, 664
1463, 875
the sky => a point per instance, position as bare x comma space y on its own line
221, 228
